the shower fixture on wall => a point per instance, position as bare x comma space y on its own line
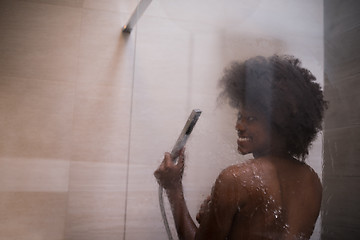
138, 12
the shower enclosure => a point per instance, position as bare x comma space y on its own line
87, 111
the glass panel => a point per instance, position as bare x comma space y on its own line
182, 48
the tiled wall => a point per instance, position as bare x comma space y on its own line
87, 112
341, 209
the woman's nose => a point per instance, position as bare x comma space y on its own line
240, 126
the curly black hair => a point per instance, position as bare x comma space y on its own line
284, 91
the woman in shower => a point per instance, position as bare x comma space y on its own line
275, 195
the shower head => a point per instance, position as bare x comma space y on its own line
185, 133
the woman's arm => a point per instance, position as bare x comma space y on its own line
225, 201
216, 220
169, 175
185, 225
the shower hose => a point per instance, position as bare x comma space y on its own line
180, 143
163, 213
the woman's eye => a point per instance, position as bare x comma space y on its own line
251, 119
239, 116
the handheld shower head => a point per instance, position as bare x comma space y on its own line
185, 133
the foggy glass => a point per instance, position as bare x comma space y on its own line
182, 48
87, 111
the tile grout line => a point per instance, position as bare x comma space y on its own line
72, 125
129, 137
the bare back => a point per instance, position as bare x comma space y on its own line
265, 198
284, 200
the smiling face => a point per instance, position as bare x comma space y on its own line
254, 134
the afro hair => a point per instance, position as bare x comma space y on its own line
284, 91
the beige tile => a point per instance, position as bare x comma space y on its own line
95, 176
306, 19
106, 55
101, 34
189, 11
32, 216
39, 54
112, 5
163, 57
68, 3
243, 45
21, 94
32, 16
208, 62
213, 140
36, 118
34, 175
144, 218
155, 9
141, 177
39, 41
101, 124
95, 215
204, 16
116, 71
173, 60
157, 120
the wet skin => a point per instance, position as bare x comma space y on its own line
272, 196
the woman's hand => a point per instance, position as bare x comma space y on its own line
169, 174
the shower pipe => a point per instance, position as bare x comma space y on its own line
138, 12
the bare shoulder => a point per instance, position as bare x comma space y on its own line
240, 173
233, 183
241, 170
239, 179
227, 196
312, 179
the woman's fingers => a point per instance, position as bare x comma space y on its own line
181, 161
169, 173
167, 160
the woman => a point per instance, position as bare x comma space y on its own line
275, 195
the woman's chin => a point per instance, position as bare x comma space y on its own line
243, 151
